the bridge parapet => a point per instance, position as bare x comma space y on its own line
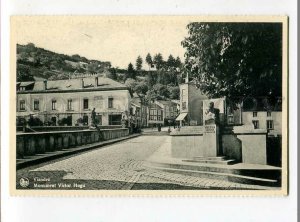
29, 144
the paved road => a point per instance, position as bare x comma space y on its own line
118, 166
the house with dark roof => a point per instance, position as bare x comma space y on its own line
155, 114
263, 113
70, 102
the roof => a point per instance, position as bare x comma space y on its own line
155, 106
176, 101
166, 102
262, 104
76, 84
136, 102
26, 83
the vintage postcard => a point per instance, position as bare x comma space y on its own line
149, 105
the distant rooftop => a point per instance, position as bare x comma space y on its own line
81, 84
166, 102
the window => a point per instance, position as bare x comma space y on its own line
69, 104
254, 114
159, 115
115, 119
153, 114
85, 103
36, 105
99, 119
255, 124
183, 105
22, 105
270, 124
182, 93
268, 113
110, 103
53, 104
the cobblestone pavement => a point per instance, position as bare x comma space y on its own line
118, 166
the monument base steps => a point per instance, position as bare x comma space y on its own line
223, 176
213, 160
263, 177
223, 162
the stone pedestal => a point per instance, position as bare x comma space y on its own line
254, 144
211, 140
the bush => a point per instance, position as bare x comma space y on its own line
35, 121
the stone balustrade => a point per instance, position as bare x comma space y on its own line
29, 144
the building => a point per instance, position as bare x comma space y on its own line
170, 111
256, 113
139, 110
70, 102
263, 113
191, 104
155, 114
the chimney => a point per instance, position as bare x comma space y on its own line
96, 81
45, 84
82, 83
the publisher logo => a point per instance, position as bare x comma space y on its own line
24, 182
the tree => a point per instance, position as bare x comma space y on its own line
130, 72
151, 78
149, 60
131, 84
235, 59
112, 74
161, 90
139, 63
158, 61
93, 67
23, 73
141, 87
171, 62
174, 92
178, 62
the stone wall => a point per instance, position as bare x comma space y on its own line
28, 144
243, 145
231, 147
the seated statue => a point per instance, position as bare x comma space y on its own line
211, 115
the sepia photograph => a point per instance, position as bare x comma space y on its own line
174, 104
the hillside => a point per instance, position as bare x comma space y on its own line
161, 82
36, 63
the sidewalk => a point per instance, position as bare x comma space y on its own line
40, 158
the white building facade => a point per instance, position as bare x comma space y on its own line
70, 102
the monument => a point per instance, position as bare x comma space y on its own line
211, 131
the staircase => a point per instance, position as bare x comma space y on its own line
222, 169
212, 160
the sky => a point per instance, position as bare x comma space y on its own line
119, 40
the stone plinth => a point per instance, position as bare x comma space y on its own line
211, 140
254, 145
